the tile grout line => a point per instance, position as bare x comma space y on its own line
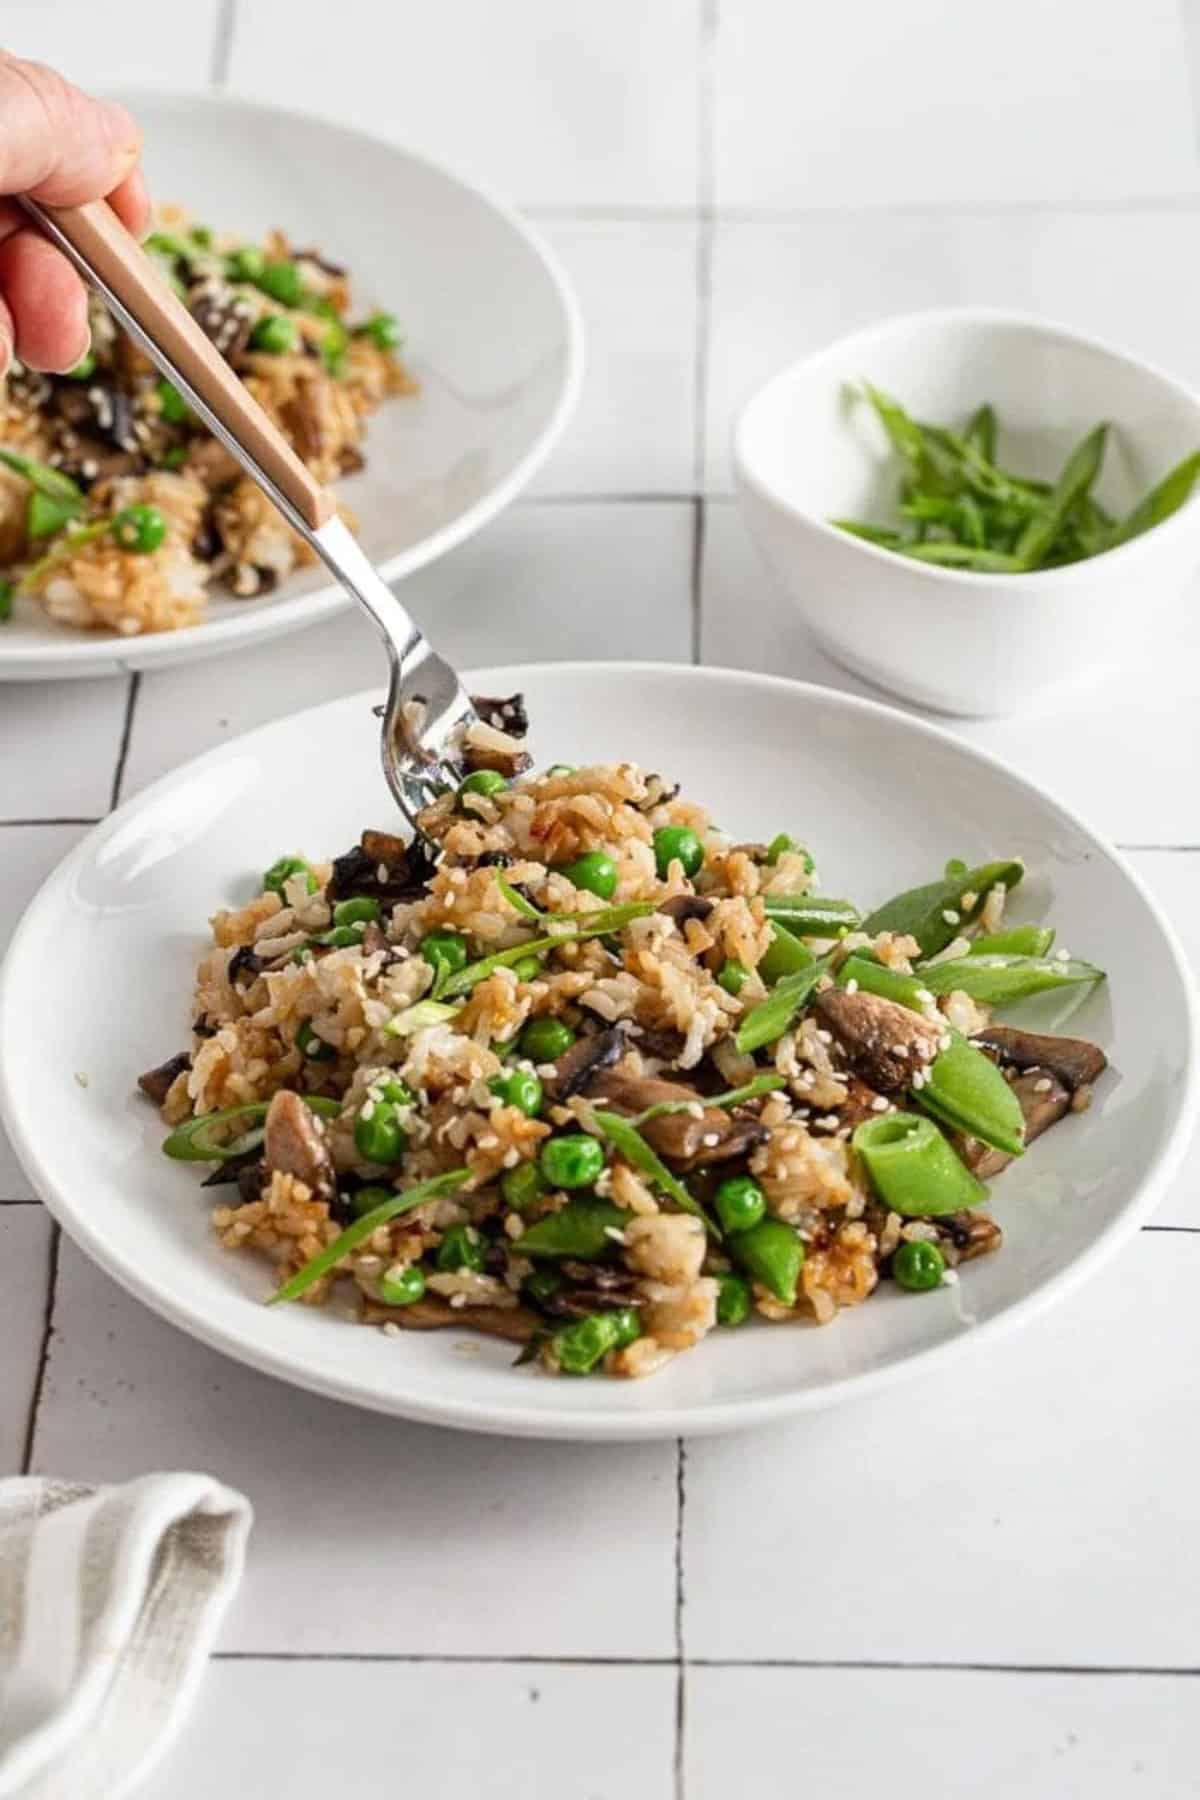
679, 1761
74, 820
131, 700
39, 1382
630, 212
707, 22
883, 1665
222, 50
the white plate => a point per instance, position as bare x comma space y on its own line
493, 337
97, 983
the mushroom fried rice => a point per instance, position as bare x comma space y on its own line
577, 1069
118, 510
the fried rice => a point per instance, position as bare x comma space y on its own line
538, 1072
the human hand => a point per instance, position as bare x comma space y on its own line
61, 147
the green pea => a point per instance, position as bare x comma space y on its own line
677, 843
140, 528
733, 1300
578, 1348
557, 771
246, 264
393, 1090
171, 403
276, 334
461, 1248
362, 911
403, 1289
444, 951
519, 1088
383, 329
918, 1267
378, 1134
483, 781
740, 1203
528, 969
595, 872
773, 1254
281, 872
366, 1199
733, 976
333, 347
541, 1285
282, 281
781, 845
84, 369
312, 1046
202, 236
544, 1040
573, 1161
522, 1186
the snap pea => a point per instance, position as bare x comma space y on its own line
194, 1142
785, 955
889, 984
966, 556
628, 1141
912, 1167
1079, 472
935, 914
363, 1226
44, 515
461, 1248
1159, 503
578, 1347
966, 1090
980, 431
1021, 940
772, 1253
733, 1300
884, 535
581, 1229
810, 915
771, 1018
999, 979
593, 924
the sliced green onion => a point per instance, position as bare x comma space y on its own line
808, 915
193, 1141
625, 1138
593, 924
516, 900
362, 1228
750, 1090
419, 1018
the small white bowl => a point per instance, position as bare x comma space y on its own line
807, 449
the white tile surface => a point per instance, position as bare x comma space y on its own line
555, 102
373, 1730
550, 580
1030, 1505
27, 855
415, 1540
25, 1259
1114, 752
907, 1733
635, 428
782, 288
58, 747
885, 106
117, 44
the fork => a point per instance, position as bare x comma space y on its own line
428, 710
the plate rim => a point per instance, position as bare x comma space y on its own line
29, 662
573, 1423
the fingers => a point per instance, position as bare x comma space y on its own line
8, 338
45, 301
131, 203
59, 144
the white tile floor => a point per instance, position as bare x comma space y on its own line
987, 1582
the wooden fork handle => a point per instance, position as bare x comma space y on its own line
103, 249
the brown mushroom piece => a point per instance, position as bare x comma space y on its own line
586, 1058
1045, 1073
965, 1235
506, 714
515, 1323
157, 1083
382, 867
688, 1140
485, 746
294, 1144
682, 907
883, 1042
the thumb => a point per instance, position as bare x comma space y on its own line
57, 143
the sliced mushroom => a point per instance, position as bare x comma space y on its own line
859, 1104
882, 1041
691, 1139
587, 1057
968, 1234
382, 867
682, 907
1074, 1061
515, 1323
1044, 1099
294, 1143
486, 747
157, 1083
508, 714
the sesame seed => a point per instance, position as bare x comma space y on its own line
390, 1328
615, 1233
852, 986
924, 996
828, 1122
1062, 956
881, 1103
824, 1037
711, 1139
458, 1301
900, 1049
949, 1277
1043, 1086
951, 917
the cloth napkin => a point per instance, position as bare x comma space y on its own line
110, 1598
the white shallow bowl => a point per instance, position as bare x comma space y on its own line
492, 332
807, 450
97, 984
